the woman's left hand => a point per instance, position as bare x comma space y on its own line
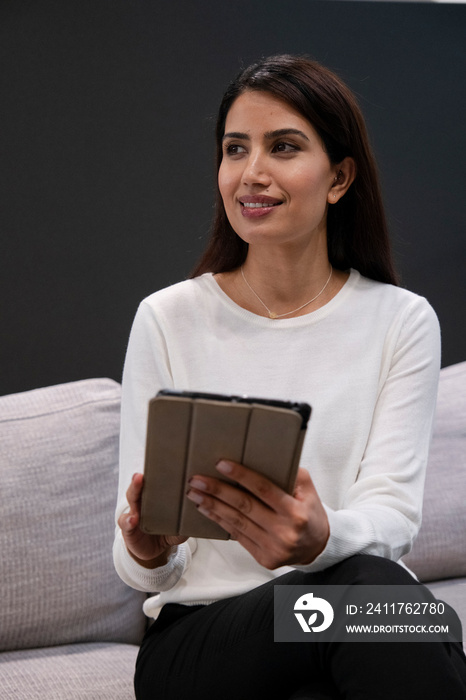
276, 528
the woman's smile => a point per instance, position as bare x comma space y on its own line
254, 206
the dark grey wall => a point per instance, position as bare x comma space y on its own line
107, 158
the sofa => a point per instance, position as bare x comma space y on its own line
69, 628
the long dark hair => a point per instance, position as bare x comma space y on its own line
357, 232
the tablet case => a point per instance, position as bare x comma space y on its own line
188, 436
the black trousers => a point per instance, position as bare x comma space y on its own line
226, 650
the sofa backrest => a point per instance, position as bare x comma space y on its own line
58, 484
440, 549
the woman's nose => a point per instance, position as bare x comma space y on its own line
255, 170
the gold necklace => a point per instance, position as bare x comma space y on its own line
272, 314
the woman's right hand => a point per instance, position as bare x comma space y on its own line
150, 551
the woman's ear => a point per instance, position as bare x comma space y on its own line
345, 173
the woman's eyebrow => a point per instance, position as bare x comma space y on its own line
269, 135
236, 135
284, 132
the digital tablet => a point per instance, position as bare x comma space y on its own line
189, 432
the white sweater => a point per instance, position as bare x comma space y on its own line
368, 364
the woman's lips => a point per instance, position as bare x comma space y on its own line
256, 206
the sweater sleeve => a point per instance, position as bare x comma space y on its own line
381, 514
146, 371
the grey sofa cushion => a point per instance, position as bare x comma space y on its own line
72, 672
440, 549
58, 466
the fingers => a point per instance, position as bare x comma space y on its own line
275, 527
246, 519
149, 551
128, 524
243, 512
129, 520
134, 492
256, 502
264, 490
304, 485
245, 526
257, 484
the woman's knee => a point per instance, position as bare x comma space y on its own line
363, 569
367, 569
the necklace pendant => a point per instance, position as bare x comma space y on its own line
272, 314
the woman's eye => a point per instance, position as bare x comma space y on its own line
284, 147
234, 149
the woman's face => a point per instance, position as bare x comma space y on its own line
275, 177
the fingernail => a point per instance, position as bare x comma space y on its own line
198, 484
204, 511
225, 467
196, 497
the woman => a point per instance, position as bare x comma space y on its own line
295, 298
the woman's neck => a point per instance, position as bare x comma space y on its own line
282, 286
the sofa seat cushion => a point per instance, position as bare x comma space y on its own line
440, 549
59, 474
74, 672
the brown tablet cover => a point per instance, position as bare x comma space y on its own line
187, 436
